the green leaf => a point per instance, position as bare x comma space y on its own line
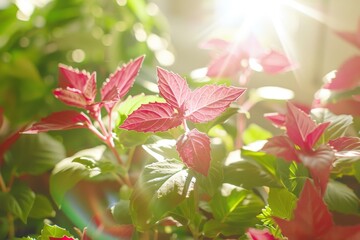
42, 208
35, 154
53, 231
18, 201
255, 133
338, 123
100, 166
240, 172
161, 187
121, 212
282, 202
67, 173
234, 209
341, 198
162, 149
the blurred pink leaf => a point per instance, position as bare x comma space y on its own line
173, 88
277, 119
351, 37
60, 121
71, 96
312, 220
257, 234
152, 117
282, 147
208, 102
275, 62
62, 238
235, 60
347, 76
319, 163
120, 82
194, 150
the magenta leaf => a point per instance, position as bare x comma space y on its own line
311, 219
71, 96
173, 88
120, 82
257, 234
275, 62
62, 238
299, 125
208, 102
346, 146
72, 78
226, 65
347, 76
282, 147
277, 119
194, 151
152, 117
319, 163
314, 136
89, 89
60, 121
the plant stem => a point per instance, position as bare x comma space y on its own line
3, 187
186, 126
11, 226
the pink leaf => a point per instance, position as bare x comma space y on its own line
314, 136
346, 147
60, 121
194, 150
311, 219
173, 88
89, 89
347, 76
120, 82
152, 117
351, 37
319, 163
215, 43
71, 97
277, 119
61, 238
257, 234
227, 66
72, 78
275, 62
282, 147
298, 125
208, 102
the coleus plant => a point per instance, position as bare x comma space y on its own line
201, 105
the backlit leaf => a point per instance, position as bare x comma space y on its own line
54, 231
152, 117
298, 125
173, 88
18, 201
275, 62
42, 208
35, 154
162, 186
63, 120
208, 102
194, 150
338, 123
121, 80
72, 78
